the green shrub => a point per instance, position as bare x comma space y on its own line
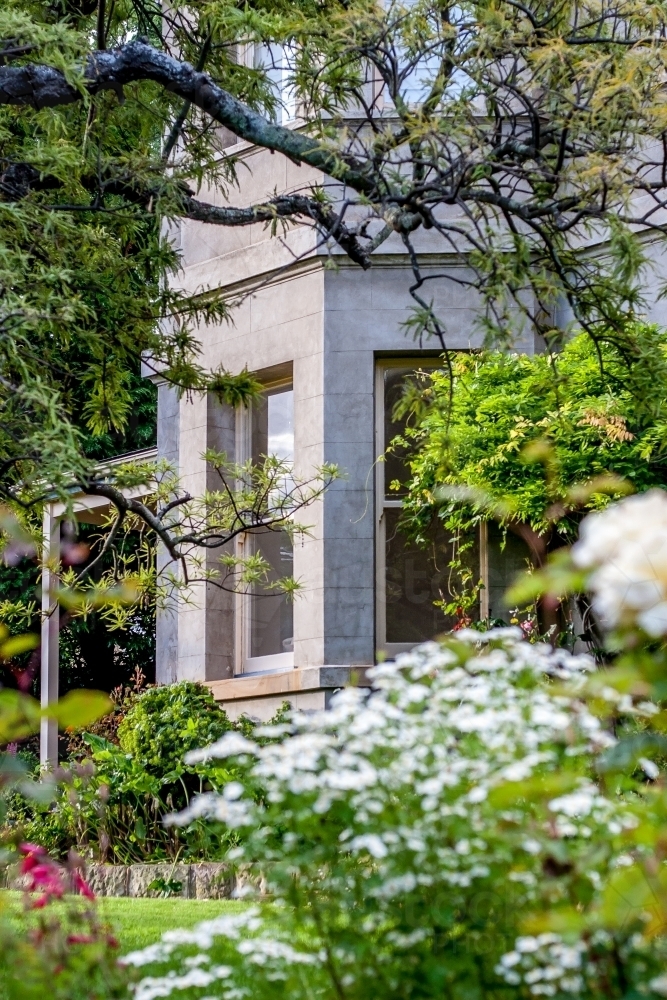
166, 722
113, 798
583, 420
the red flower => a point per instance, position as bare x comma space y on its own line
80, 939
32, 852
43, 874
32, 849
462, 620
46, 877
83, 887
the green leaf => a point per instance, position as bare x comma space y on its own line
80, 708
43, 792
20, 715
626, 753
532, 789
18, 644
628, 897
91, 598
559, 577
559, 920
97, 743
11, 768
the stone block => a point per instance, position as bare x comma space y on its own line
142, 876
249, 882
206, 880
108, 880
14, 879
211, 880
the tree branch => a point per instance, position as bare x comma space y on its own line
42, 86
284, 206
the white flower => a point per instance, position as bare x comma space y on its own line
194, 960
372, 843
163, 986
650, 769
232, 791
545, 964
261, 950
153, 953
230, 745
659, 985
210, 805
413, 765
626, 548
526, 944
578, 803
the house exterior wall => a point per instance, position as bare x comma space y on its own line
332, 324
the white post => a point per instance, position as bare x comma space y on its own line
48, 744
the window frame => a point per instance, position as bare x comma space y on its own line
244, 663
382, 504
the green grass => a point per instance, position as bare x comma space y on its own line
139, 922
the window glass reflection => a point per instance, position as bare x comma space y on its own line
508, 557
415, 578
395, 461
271, 614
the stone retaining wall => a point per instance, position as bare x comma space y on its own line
207, 880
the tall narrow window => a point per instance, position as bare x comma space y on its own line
411, 579
276, 61
508, 557
270, 619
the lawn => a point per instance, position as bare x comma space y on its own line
138, 922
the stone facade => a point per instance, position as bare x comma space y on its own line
330, 326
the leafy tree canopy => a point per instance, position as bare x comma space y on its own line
534, 440
513, 133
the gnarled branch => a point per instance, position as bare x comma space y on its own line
42, 86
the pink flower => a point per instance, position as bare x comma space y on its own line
32, 849
83, 887
80, 939
32, 853
44, 874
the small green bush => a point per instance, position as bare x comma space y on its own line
167, 721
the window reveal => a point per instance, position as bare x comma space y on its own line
271, 614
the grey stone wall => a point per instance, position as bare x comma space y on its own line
207, 880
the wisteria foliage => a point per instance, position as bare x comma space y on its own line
442, 835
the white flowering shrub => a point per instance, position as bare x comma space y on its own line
409, 836
624, 549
